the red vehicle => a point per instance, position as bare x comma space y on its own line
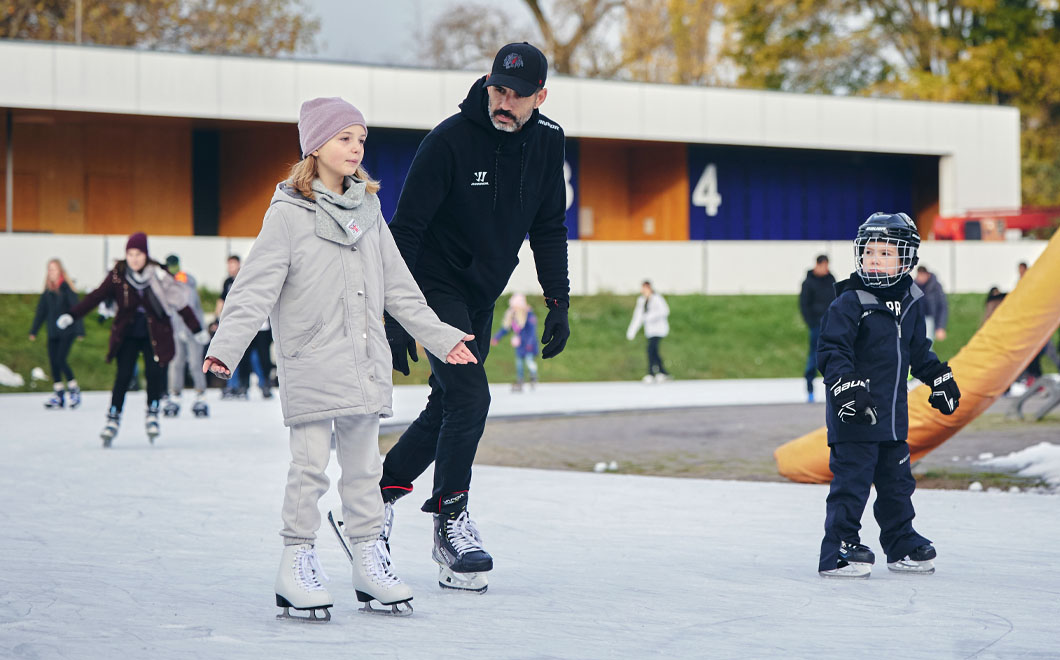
991, 225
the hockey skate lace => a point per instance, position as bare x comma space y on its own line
377, 564
463, 534
308, 566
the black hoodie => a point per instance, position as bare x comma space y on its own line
473, 194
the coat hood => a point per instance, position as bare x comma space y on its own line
474, 107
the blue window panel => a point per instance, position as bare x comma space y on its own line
571, 176
388, 156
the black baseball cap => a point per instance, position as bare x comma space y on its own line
519, 67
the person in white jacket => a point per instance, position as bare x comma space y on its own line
324, 269
653, 313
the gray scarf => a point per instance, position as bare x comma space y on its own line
342, 218
141, 280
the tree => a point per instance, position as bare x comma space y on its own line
246, 27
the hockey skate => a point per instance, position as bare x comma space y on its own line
111, 428
373, 577
918, 562
171, 408
57, 401
151, 423
75, 395
199, 408
855, 561
298, 585
462, 561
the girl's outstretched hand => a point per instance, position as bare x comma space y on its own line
216, 367
461, 354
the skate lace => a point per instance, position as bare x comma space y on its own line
308, 567
388, 521
463, 534
377, 564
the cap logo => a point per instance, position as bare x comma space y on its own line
513, 61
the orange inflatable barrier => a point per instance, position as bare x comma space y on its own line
984, 368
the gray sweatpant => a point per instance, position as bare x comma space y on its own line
357, 450
187, 353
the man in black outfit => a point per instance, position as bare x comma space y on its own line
480, 182
818, 292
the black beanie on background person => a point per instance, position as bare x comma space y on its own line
139, 242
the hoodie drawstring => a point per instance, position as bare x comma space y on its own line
522, 168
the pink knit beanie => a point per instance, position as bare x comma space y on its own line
321, 119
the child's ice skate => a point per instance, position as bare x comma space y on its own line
74, 392
298, 585
462, 561
855, 561
171, 408
373, 576
918, 562
111, 428
200, 408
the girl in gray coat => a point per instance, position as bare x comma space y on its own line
323, 270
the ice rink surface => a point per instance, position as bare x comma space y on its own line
171, 551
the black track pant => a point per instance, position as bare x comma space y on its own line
130, 349
448, 430
58, 351
259, 344
856, 466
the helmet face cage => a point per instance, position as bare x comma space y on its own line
884, 229
905, 260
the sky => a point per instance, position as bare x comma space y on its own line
372, 32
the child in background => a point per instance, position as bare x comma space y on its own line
56, 300
519, 319
653, 313
871, 335
323, 269
146, 296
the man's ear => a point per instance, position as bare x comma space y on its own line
540, 97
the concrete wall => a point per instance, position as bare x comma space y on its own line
680, 267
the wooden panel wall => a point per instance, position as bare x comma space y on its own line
253, 161
634, 190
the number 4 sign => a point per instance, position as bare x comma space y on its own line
705, 193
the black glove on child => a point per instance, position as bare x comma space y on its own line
852, 400
945, 395
402, 345
556, 331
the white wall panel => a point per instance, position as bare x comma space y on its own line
848, 123
102, 80
735, 267
178, 85
731, 116
257, 90
673, 112
26, 77
606, 110
792, 119
901, 127
354, 84
407, 98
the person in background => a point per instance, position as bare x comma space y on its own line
188, 352
57, 299
653, 313
936, 307
521, 322
147, 297
818, 292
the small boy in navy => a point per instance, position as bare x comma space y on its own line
871, 335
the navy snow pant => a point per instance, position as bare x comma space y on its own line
448, 430
856, 466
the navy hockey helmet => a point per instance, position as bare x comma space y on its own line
894, 242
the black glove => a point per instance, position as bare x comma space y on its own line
557, 330
945, 395
402, 345
852, 400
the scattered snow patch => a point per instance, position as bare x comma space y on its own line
9, 378
1041, 460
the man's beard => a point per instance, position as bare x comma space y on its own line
512, 127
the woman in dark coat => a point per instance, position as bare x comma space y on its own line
56, 300
147, 296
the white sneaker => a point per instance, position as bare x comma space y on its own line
374, 579
662, 378
298, 584
648, 378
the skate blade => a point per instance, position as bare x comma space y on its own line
911, 567
402, 608
852, 571
470, 582
311, 616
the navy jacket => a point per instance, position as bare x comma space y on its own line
473, 194
935, 304
877, 335
50, 306
817, 293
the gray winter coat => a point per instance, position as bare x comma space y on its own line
324, 290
